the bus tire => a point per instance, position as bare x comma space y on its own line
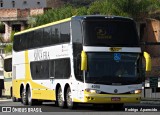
69, 102
24, 99
0, 92
60, 101
32, 101
14, 99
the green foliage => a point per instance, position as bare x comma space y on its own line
9, 46
81, 11
12, 36
137, 9
31, 22
54, 15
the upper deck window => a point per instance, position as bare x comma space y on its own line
110, 33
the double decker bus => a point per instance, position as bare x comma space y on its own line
76, 60
7, 91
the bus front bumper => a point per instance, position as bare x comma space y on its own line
108, 98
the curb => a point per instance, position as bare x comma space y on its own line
5, 100
150, 101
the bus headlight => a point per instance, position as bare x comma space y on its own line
136, 91
93, 91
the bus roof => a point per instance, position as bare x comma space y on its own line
85, 17
42, 26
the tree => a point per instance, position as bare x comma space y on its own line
8, 47
55, 14
137, 9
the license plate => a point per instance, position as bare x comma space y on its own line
115, 99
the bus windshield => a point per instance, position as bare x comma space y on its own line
110, 33
112, 67
8, 65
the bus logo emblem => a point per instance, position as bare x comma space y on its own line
114, 49
115, 91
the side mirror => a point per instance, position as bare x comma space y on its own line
83, 60
148, 61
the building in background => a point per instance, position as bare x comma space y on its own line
22, 4
14, 15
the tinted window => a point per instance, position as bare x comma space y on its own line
65, 32
47, 36
23, 42
29, 38
77, 49
52, 68
110, 33
37, 38
8, 65
55, 35
60, 68
40, 70
76, 31
16, 42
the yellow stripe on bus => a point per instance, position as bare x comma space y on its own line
43, 26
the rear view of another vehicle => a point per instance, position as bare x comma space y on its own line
7, 92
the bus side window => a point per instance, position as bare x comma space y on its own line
76, 31
55, 35
37, 39
44, 70
78, 72
62, 68
47, 35
16, 44
52, 68
40, 70
65, 32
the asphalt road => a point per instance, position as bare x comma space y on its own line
8, 105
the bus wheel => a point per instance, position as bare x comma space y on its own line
70, 103
60, 98
14, 99
0, 92
30, 100
24, 97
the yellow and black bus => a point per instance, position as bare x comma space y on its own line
76, 60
